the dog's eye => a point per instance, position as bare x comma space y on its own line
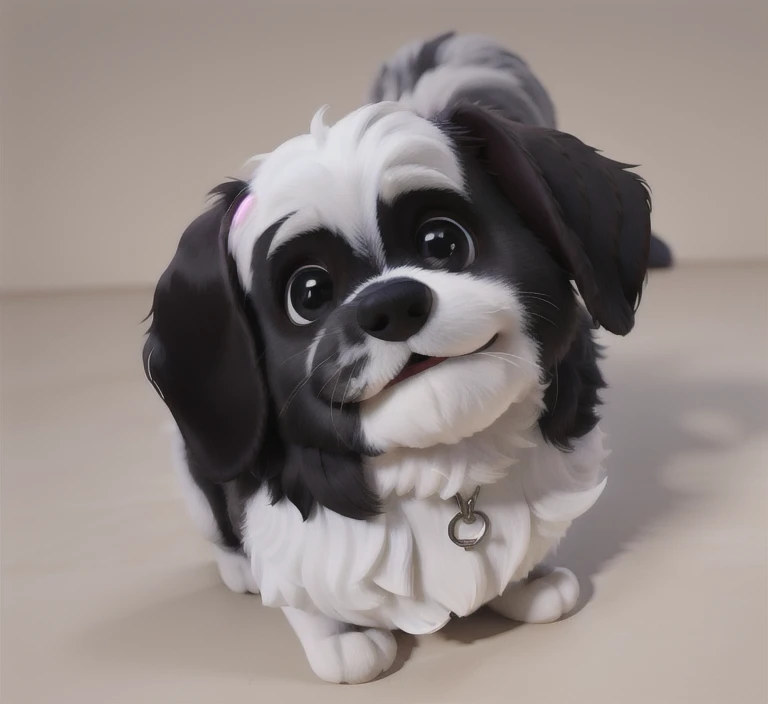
309, 292
444, 244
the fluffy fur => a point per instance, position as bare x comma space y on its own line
381, 319
431, 76
399, 570
334, 179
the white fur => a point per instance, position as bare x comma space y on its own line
344, 584
235, 571
465, 394
438, 88
443, 470
338, 652
544, 598
400, 570
465, 63
334, 176
462, 395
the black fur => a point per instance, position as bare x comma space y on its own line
572, 397
589, 211
221, 507
426, 58
590, 216
200, 353
406, 77
242, 422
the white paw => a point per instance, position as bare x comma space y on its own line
544, 597
235, 571
352, 657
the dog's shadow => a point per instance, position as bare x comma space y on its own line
647, 417
190, 622
194, 623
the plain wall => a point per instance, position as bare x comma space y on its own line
118, 117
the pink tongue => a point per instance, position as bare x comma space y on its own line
413, 369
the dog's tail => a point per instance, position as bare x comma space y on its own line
432, 75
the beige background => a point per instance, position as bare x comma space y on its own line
117, 117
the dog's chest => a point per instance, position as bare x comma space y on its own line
401, 569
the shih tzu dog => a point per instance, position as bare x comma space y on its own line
379, 355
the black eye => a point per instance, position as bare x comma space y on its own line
444, 244
308, 294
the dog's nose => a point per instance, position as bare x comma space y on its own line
394, 310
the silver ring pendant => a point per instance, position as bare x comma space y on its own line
468, 543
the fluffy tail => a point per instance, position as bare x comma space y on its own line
432, 75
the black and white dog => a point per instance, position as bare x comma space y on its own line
379, 355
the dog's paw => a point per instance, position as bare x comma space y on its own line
546, 596
235, 571
353, 657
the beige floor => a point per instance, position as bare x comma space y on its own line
108, 596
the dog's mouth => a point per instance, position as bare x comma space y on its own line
418, 363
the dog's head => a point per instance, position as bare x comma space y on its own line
389, 281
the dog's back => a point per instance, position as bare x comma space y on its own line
432, 75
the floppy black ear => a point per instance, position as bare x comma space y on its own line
592, 214
201, 350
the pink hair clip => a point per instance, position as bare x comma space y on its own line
242, 210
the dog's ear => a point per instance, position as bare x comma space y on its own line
201, 352
591, 213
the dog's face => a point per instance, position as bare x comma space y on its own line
386, 283
397, 282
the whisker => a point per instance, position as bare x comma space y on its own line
356, 367
514, 356
293, 356
349, 381
301, 385
322, 388
543, 297
306, 349
331, 409
501, 359
540, 294
336, 385
543, 317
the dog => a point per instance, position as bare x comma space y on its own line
379, 355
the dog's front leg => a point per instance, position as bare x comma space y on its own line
339, 652
546, 595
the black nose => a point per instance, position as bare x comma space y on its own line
394, 310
